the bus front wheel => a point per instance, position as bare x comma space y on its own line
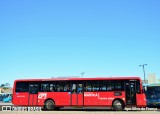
117, 105
49, 105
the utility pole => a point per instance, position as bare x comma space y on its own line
143, 71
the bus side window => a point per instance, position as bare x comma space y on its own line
103, 85
45, 87
79, 88
95, 86
138, 88
109, 88
88, 86
22, 87
58, 88
66, 88
52, 87
74, 88
118, 86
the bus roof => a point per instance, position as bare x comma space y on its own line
88, 78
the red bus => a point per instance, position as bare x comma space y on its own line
54, 93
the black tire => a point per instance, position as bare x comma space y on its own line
56, 108
49, 105
117, 105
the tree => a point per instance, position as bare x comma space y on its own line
2, 85
5, 86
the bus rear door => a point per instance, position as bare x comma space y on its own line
33, 94
77, 94
130, 87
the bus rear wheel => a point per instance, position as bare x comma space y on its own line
117, 105
49, 105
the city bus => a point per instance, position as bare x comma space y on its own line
54, 93
152, 92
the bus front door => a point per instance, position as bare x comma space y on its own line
130, 88
33, 94
77, 94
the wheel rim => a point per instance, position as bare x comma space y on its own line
118, 105
49, 105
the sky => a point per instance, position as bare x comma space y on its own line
54, 38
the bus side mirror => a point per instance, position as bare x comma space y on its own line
143, 90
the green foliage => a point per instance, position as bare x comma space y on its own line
2, 85
5, 86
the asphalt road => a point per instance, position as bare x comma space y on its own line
87, 110
83, 112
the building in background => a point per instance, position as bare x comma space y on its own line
158, 80
152, 78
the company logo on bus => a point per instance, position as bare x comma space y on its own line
42, 95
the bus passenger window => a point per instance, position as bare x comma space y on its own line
138, 87
33, 88
52, 87
66, 88
109, 88
44, 87
103, 85
95, 86
74, 88
58, 88
118, 86
61, 88
88, 86
22, 87
79, 88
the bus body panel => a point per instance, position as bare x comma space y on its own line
20, 99
60, 99
90, 98
63, 99
86, 98
140, 100
33, 100
101, 98
80, 100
